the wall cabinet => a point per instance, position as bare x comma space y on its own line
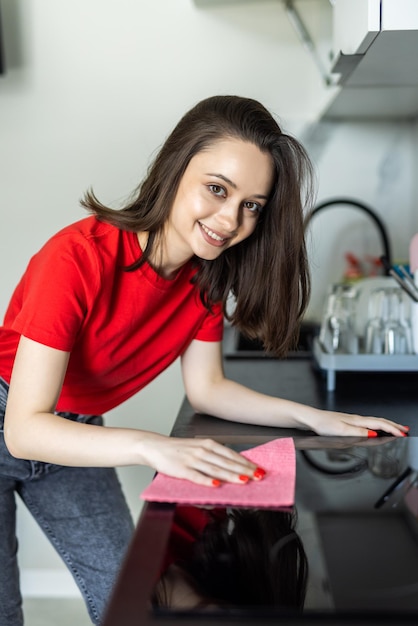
375, 49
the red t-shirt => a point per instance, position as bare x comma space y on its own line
188, 524
121, 328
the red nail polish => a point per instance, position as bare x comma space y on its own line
406, 428
259, 473
243, 478
216, 482
371, 433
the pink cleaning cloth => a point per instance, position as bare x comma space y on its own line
276, 489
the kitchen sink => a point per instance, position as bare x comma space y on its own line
237, 346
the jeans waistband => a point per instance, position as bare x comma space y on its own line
4, 390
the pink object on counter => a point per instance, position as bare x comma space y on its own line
276, 489
413, 254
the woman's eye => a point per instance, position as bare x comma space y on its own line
254, 207
217, 190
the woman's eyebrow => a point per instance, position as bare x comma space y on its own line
230, 182
227, 180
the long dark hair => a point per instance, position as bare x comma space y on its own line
267, 273
250, 558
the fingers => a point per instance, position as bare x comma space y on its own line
372, 427
387, 430
348, 425
208, 463
376, 427
221, 463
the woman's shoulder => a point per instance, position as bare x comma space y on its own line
89, 235
88, 228
86, 243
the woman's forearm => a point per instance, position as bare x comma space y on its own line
229, 400
53, 439
235, 402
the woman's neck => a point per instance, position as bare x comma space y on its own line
159, 257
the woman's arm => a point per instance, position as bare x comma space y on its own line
210, 392
32, 431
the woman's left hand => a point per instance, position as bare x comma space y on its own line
349, 425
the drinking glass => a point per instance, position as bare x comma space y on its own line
388, 329
337, 332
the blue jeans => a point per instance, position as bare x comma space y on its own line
83, 513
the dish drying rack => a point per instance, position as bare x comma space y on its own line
331, 363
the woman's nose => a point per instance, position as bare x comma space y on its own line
229, 216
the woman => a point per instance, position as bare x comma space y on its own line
111, 301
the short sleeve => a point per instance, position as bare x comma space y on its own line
56, 292
213, 325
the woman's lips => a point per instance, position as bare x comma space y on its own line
212, 237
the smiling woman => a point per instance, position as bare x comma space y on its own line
112, 300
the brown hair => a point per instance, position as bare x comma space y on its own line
267, 273
246, 558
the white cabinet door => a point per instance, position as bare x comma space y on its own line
399, 15
355, 24
376, 46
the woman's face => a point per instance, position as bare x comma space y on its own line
218, 202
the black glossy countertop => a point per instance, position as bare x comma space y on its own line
392, 395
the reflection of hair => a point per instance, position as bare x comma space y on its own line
267, 273
250, 558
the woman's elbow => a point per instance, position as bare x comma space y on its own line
197, 401
13, 442
195, 405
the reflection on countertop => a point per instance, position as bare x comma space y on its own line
341, 549
358, 558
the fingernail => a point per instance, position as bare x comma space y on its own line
371, 433
406, 427
216, 482
259, 473
404, 434
243, 478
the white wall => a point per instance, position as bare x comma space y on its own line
92, 89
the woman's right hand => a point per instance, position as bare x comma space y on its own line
202, 461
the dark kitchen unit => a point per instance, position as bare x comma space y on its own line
356, 502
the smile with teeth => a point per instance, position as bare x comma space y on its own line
211, 234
